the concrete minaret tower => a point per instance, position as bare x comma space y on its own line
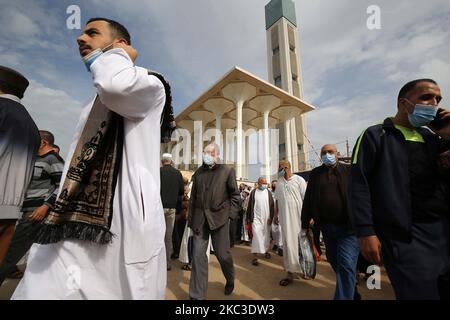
283, 54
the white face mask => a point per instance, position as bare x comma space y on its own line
208, 159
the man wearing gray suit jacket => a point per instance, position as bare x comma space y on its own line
214, 200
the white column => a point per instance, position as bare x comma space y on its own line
239, 146
189, 151
219, 136
287, 140
294, 149
266, 146
219, 122
198, 142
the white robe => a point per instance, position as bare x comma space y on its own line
260, 226
133, 266
276, 230
290, 195
244, 234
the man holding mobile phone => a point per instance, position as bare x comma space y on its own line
399, 199
104, 238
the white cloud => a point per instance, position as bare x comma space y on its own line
53, 110
350, 73
344, 120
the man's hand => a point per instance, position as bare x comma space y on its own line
370, 248
445, 131
276, 220
39, 213
132, 52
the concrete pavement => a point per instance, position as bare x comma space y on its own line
254, 282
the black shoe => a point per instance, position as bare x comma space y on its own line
174, 256
229, 289
169, 268
280, 252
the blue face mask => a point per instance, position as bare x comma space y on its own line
281, 173
329, 159
91, 57
208, 159
422, 115
263, 187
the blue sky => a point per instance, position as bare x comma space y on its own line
351, 74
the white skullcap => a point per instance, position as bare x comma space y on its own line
167, 156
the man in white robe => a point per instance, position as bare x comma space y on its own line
133, 266
260, 213
289, 193
276, 230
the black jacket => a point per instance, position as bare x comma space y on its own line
379, 184
214, 196
312, 195
172, 187
251, 206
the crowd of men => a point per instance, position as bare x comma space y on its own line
119, 216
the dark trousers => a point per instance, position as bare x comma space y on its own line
20, 243
316, 237
414, 266
6, 232
177, 235
233, 227
239, 221
342, 250
221, 243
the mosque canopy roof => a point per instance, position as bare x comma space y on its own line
256, 95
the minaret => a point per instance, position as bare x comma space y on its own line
283, 55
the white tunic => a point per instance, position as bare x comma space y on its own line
245, 236
260, 227
134, 265
276, 230
290, 195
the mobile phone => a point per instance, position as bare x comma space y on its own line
438, 123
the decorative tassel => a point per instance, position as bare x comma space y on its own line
72, 230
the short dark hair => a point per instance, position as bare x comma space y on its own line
411, 85
118, 29
47, 136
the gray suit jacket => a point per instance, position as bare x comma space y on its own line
214, 197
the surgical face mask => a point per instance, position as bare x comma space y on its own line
91, 57
329, 159
281, 173
208, 159
422, 114
263, 187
